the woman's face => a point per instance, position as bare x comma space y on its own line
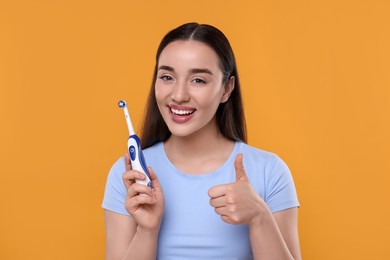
189, 87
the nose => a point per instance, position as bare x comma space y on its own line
180, 93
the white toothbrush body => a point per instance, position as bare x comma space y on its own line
137, 159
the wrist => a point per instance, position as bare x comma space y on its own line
263, 218
148, 232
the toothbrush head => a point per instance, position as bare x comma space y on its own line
122, 103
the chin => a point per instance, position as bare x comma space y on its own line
182, 131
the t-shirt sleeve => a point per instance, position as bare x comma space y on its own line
280, 189
115, 191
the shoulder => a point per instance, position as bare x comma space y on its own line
258, 156
264, 165
270, 177
119, 166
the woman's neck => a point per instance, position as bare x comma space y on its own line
199, 153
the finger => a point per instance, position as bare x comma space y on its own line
239, 167
219, 190
218, 202
228, 216
127, 162
130, 177
229, 219
137, 189
154, 179
225, 215
222, 211
134, 203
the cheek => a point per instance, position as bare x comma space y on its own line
158, 93
212, 98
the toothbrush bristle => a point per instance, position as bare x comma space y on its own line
122, 103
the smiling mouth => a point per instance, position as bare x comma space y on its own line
182, 112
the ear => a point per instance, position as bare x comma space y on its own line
228, 89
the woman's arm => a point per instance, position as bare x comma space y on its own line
135, 236
287, 221
124, 241
275, 236
272, 236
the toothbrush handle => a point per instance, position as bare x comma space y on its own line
137, 159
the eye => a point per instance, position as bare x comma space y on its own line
165, 77
199, 81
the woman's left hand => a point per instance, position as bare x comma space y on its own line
238, 203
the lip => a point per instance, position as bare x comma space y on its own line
181, 118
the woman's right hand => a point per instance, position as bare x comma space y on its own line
145, 205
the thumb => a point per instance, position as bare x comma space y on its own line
239, 167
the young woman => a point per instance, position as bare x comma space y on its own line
213, 196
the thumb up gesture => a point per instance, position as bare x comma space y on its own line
237, 202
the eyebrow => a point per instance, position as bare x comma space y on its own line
194, 70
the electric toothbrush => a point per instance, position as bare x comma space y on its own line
134, 145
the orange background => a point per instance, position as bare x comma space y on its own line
316, 87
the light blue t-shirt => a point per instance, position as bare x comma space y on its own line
190, 227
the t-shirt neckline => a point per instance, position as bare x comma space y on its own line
227, 163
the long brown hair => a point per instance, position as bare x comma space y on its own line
230, 115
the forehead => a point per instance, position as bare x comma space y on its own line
189, 53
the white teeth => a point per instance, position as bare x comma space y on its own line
181, 112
